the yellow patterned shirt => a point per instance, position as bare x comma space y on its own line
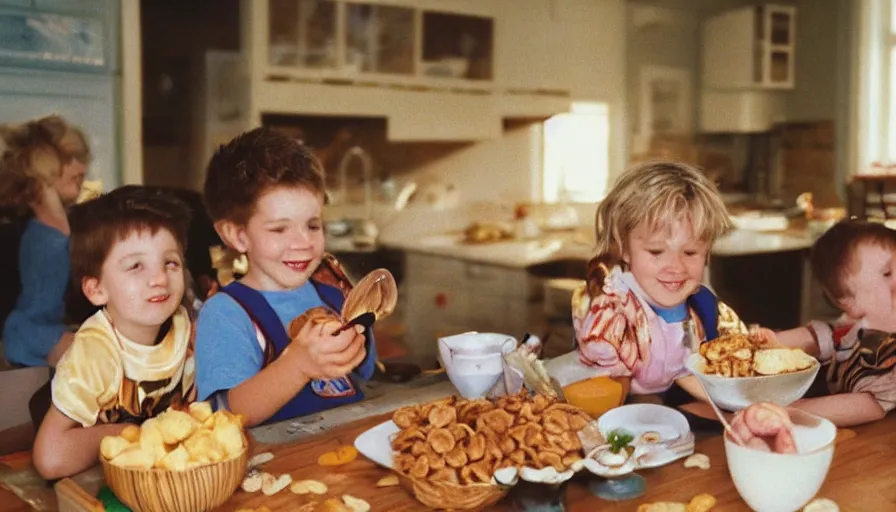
106, 378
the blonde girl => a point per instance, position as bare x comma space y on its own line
643, 308
42, 168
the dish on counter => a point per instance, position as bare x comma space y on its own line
486, 232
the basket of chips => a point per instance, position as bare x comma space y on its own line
466, 454
177, 461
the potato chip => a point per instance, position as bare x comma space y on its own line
662, 506
200, 411
136, 458
252, 482
130, 433
338, 457
701, 503
334, 505
176, 460
112, 446
271, 485
176, 440
355, 504
697, 460
175, 426
260, 458
387, 481
308, 487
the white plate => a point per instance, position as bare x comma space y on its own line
376, 443
640, 418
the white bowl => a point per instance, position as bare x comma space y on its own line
774, 482
735, 393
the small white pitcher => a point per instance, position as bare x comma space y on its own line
474, 361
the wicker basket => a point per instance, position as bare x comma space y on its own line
192, 490
450, 496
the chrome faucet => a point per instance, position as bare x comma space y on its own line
366, 168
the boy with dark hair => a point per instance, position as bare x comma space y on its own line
265, 193
855, 262
134, 358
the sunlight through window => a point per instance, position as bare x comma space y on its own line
576, 149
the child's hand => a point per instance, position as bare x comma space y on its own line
319, 355
764, 336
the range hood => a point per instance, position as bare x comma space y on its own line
740, 111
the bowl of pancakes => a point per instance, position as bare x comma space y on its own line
738, 370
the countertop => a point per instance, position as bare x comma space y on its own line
559, 246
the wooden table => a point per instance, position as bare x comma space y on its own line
860, 478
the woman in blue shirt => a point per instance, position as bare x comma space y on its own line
42, 169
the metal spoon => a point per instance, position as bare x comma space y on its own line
737, 439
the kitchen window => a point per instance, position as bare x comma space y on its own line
576, 154
877, 80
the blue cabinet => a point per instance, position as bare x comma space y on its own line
61, 56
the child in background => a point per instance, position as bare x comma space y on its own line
133, 358
643, 309
855, 262
42, 167
265, 193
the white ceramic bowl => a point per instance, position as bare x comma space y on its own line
774, 482
736, 393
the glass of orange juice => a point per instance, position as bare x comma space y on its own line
597, 395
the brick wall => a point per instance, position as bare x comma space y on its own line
808, 160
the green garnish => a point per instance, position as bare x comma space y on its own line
619, 439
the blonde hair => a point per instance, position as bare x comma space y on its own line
32, 156
656, 193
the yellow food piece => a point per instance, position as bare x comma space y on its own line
130, 433
388, 481
701, 503
176, 460
662, 506
134, 458
355, 504
697, 460
271, 485
176, 440
112, 446
338, 457
309, 487
175, 426
151, 440
334, 505
200, 411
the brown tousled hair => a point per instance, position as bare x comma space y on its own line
97, 225
242, 170
656, 193
33, 155
833, 255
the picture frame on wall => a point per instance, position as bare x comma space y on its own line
666, 102
51, 41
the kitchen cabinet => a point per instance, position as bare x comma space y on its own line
445, 296
750, 48
434, 70
377, 42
